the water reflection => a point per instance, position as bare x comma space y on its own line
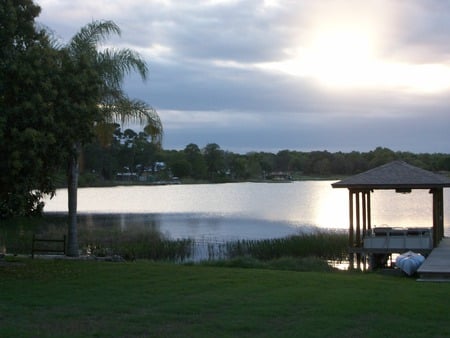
177, 226
240, 210
413, 209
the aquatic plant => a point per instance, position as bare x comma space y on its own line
327, 245
150, 244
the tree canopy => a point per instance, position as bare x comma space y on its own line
29, 81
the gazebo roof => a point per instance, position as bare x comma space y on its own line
394, 175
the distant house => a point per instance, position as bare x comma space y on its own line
279, 176
126, 177
158, 166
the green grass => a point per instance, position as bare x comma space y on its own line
44, 298
283, 263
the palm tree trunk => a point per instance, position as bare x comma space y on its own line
72, 249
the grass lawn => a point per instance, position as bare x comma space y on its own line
43, 298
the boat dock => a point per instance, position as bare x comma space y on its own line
436, 267
402, 178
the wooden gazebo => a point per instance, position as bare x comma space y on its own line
399, 176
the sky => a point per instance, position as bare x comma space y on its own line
272, 75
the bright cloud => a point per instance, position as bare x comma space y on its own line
333, 74
344, 48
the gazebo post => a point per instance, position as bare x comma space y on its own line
350, 230
369, 212
364, 211
366, 207
358, 228
359, 221
438, 215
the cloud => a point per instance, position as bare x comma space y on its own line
235, 72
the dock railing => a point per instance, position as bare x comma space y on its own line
387, 239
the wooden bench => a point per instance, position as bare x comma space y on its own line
45, 245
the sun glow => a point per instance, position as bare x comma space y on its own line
337, 58
342, 55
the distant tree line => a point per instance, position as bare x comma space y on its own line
133, 153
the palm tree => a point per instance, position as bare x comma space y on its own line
107, 70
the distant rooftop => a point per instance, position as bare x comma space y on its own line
395, 175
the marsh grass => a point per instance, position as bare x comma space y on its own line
326, 245
132, 245
146, 243
301, 252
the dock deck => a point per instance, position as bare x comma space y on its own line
437, 265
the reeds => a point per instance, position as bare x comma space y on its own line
132, 245
149, 243
326, 245
144, 243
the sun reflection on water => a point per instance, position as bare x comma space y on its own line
254, 210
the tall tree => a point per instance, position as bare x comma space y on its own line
196, 160
95, 99
29, 151
214, 157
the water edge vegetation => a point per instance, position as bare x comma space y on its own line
322, 245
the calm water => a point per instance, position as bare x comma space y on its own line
241, 210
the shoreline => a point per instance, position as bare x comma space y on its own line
188, 181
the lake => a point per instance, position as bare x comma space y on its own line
233, 211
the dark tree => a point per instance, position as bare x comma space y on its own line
30, 151
214, 157
196, 160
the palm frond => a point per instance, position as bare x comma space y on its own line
116, 64
126, 110
53, 40
92, 34
112, 65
